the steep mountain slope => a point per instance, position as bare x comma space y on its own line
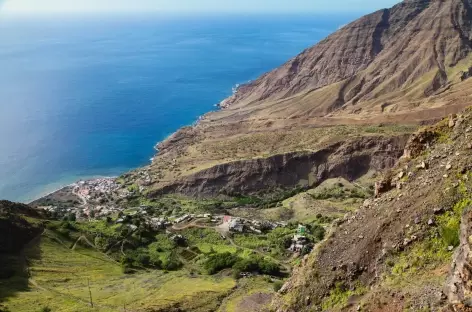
394, 253
406, 65
387, 52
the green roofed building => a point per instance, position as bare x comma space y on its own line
301, 229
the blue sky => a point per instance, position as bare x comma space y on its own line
321, 6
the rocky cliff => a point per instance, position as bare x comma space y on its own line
349, 159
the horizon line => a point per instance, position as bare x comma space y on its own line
178, 12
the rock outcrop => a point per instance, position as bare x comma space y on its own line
458, 287
350, 159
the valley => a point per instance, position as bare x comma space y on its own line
340, 181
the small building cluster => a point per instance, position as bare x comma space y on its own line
159, 223
241, 225
299, 240
88, 188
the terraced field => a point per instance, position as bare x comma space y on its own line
83, 279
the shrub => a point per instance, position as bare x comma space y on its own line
449, 223
126, 260
316, 231
257, 264
170, 262
278, 285
143, 259
220, 261
52, 226
101, 243
45, 309
280, 237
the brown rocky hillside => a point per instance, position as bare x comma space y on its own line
405, 250
406, 52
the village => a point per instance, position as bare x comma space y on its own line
94, 203
226, 225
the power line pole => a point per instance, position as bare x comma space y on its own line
90, 292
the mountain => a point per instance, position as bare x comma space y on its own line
409, 52
407, 66
337, 174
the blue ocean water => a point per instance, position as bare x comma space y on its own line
85, 96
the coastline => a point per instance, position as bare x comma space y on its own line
235, 89
64, 186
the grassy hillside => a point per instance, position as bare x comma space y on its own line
65, 279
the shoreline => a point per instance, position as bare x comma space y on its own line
68, 185
218, 106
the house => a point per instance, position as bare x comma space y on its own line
298, 242
301, 229
255, 230
183, 219
236, 225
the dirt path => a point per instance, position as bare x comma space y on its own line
283, 264
223, 230
40, 287
193, 224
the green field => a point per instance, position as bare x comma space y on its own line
59, 279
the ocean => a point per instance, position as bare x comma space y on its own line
89, 96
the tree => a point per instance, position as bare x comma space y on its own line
220, 261
72, 217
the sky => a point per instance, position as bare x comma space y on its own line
75, 6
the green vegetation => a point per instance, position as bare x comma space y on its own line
339, 191
449, 223
133, 188
121, 254
219, 261
59, 276
267, 201
339, 296
433, 251
419, 259
247, 287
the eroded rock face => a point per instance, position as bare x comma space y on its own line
459, 284
418, 143
350, 159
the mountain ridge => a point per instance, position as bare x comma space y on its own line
385, 52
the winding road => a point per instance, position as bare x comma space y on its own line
223, 230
